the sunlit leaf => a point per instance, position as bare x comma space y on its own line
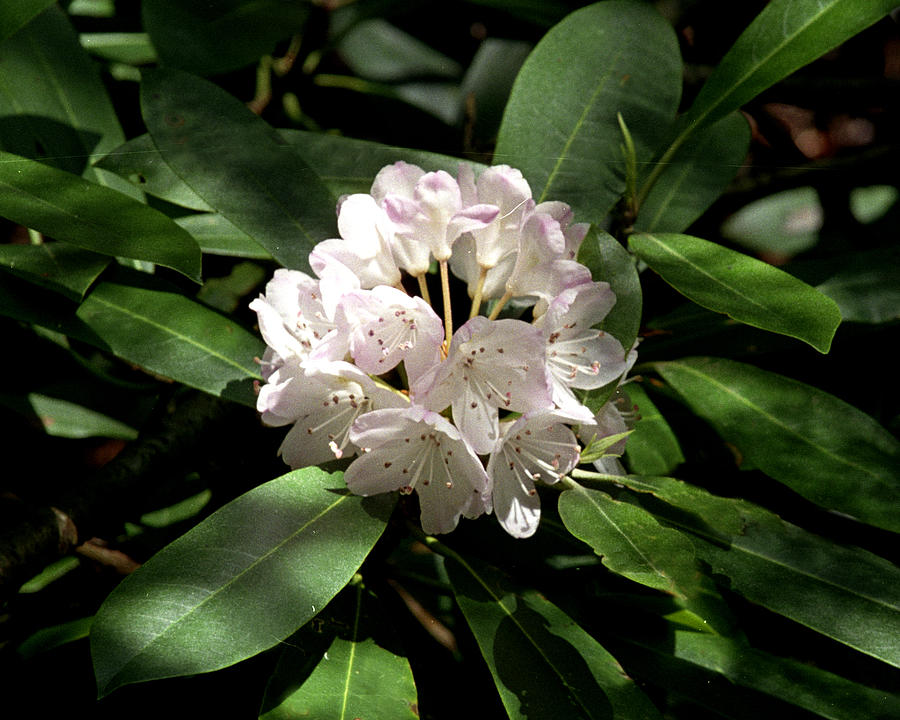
560, 125
130, 48
543, 663
740, 286
816, 444
62, 418
239, 582
630, 541
355, 678
66, 207
53, 104
238, 164
171, 335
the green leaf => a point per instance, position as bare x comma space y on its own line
131, 48
66, 207
560, 127
869, 204
696, 177
238, 164
58, 266
784, 37
652, 447
53, 103
53, 637
544, 665
378, 50
609, 262
347, 165
16, 15
239, 582
866, 287
216, 236
356, 678
171, 335
742, 287
215, 38
843, 592
780, 225
139, 161
62, 418
630, 541
818, 445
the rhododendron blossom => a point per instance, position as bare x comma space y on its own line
472, 415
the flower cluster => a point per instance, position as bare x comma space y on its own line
468, 417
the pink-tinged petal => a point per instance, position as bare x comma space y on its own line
536, 446
397, 179
574, 233
274, 331
465, 178
335, 278
414, 449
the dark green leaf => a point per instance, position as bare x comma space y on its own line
696, 177
139, 161
238, 164
652, 447
784, 37
216, 236
377, 50
15, 15
53, 105
560, 127
840, 591
356, 678
66, 207
544, 664
348, 166
866, 287
122, 47
818, 445
610, 262
742, 287
53, 637
214, 38
58, 266
239, 582
630, 541
171, 335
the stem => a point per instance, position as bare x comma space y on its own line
590, 475
423, 288
448, 312
499, 306
479, 290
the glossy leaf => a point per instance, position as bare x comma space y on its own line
630, 541
239, 582
238, 164
818, 445
16, 15
843, 592
58, 266
696, 176
560, 125
53, 104
652, 447
355, 678
66, 207
214, 38
544, 664
740, 286
171, 335
610, 262
784, 37
217, 236
139, 161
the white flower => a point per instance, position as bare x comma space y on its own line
415, 449
536, 446
491, 364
